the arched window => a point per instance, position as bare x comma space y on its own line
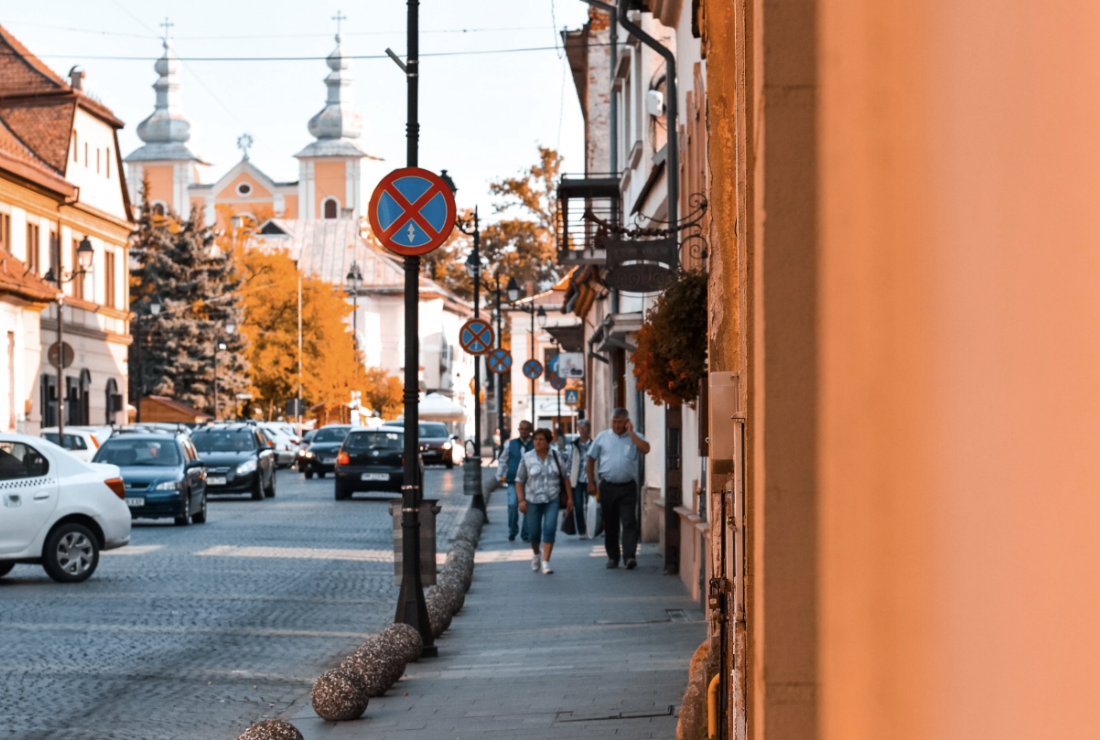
330, 207
160, 208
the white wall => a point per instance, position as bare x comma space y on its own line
100, 189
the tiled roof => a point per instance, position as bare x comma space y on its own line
44, 126
22, 73
17, 159
15, 279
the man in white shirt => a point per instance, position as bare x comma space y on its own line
615, 457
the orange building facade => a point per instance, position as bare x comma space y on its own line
903, 277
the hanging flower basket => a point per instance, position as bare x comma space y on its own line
671, 354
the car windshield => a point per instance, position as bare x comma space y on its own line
433, 430
72, 441
364, 441
130, 452
224, 440
331, 434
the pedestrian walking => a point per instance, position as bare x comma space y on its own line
578, 475
544, 490
510, 459
613, 459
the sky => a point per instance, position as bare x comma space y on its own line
482, 115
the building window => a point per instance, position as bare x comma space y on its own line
76, 147
33, 246
97, 160
48, 399
55, 253
85, 154
107, 154
78, 282
159, 208
330, 207
5, 232
244, 189
109, 279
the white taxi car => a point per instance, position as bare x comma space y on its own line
56, 510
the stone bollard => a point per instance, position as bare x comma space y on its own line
340, 695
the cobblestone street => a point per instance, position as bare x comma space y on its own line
194, 632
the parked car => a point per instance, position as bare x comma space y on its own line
56, 510
436, 443
238, 459
320, 458
371, 460
81, 443
163, 475
302, 457
286, 445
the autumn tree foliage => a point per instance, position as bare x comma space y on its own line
331, 367
522, 244
671, 355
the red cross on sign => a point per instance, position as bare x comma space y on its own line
476, 336
412, 211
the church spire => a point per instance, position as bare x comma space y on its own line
338, 119
167, 125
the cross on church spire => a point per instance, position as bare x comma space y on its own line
244, 143
339, 17
166, 25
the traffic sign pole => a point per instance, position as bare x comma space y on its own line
411, 608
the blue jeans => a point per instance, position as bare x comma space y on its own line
542, 521
513, 514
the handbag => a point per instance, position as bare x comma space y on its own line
568, 523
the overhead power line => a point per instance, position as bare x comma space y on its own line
472, 52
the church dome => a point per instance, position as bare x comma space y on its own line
337, 120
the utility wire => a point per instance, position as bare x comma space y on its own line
471, 52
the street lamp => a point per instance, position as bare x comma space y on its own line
154, 309
85, 253
472, 465
230, 328
355, 282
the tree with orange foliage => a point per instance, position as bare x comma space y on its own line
331, 367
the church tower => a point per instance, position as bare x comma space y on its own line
164, 160
328, 182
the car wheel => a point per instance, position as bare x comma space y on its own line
71, 553
258, 488
309, 475
271, 488
320, 474
342, 493
5, 568
185, 518
199, 517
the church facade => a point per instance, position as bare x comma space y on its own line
319, 220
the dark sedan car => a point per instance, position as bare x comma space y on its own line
321, 457
371, 460
238, 458
435, 442
163, 475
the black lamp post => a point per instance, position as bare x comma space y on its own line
499, 315
154, 309
220, 345
472, 464
84, 255
411, 608
355, 282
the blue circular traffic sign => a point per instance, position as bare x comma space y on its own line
476, 336
499, 361
557, 382
412, 211
532, 369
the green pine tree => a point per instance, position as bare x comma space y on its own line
199, 290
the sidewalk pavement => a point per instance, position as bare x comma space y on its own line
585, 652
